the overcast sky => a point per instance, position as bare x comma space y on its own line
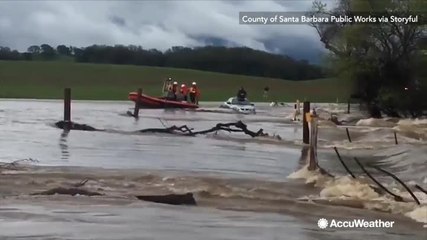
153, 24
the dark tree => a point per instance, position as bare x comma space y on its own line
7, 54
381, 59
34, 49
47, 52
63, 50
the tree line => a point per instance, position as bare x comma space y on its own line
237, 60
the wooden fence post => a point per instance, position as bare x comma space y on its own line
348, 106
67, 108
395, 138
348, 134
137, 103
312, 121
305, 130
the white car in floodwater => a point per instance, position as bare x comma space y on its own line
245, 107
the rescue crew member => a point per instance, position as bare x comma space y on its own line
167, 84
194, 93
184, 91
266, 90
241, 95
172, 91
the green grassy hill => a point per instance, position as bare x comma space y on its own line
46, 80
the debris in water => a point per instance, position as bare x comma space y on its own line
15, 164
81, 184
75, 126
239, 126
173, 199
68, 191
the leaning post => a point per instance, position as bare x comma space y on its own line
67, 108
137, 103
305, 130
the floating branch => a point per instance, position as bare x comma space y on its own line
68, 191
81, 184
172, 130
75, 126
14, 165
173, 199
400, 181
186, 131
342, 162
396, 197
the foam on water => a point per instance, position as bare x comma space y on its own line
310, 177
414, 122
419, 214
373, 122
410, 131
351, 190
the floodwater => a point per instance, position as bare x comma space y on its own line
230, 167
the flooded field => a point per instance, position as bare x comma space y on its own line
246, 188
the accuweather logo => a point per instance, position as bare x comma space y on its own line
355, 223
322, 223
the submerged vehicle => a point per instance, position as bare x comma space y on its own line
239, 106
146, 101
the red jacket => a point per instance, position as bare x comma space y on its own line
184, 91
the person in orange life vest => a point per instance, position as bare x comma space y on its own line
184, 91
194, 93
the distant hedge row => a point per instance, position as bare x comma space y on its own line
237, 60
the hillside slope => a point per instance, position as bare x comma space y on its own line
46, 80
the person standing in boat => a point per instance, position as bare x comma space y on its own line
184, 91
194, 93
167, 84
241, 95
266, 90
172, 91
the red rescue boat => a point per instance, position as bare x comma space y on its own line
158, 102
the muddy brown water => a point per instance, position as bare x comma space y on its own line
242, 182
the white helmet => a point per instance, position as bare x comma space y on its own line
194, 83
175, 83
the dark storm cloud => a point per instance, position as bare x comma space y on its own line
151, 24
119, 21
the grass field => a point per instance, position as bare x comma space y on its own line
46, 80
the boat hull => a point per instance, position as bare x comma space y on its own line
154, 102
